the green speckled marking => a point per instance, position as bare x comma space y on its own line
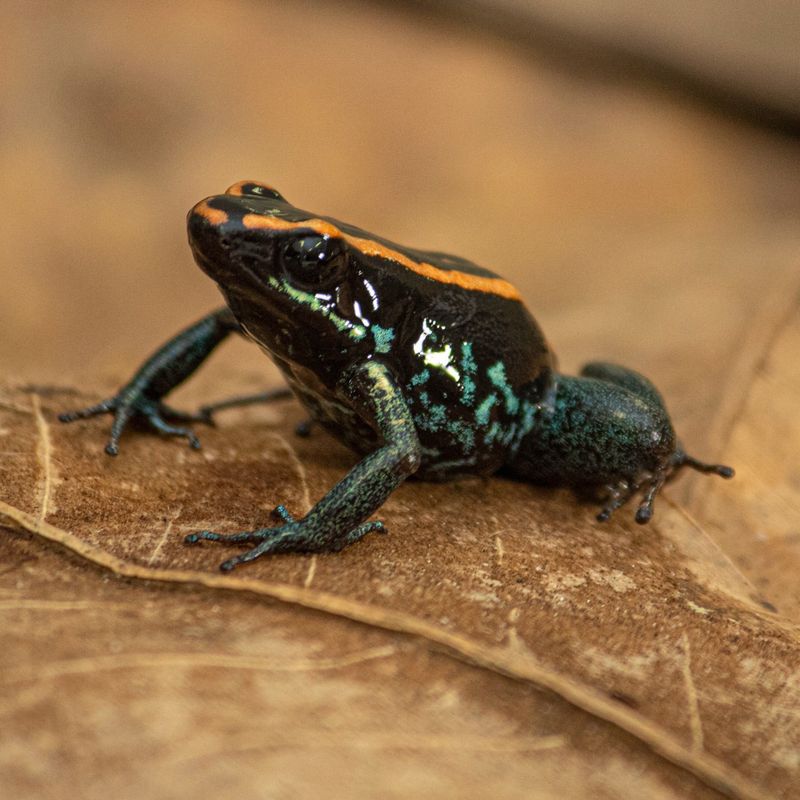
450, 466
438, 416
383, 338
497, 375
463, 433
468, 369
483, 411
433, 419
492, 433
354, 331
421, 377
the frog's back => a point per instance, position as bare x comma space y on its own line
471, 360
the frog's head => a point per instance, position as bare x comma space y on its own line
290, 277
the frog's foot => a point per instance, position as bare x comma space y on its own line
668, 471
293, 536
127, 406
617, 494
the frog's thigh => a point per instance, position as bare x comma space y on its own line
626, 378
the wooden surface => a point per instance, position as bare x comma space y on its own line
639, 228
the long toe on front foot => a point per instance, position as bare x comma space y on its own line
291, 537
230, 538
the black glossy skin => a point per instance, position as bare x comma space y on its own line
424, 363
410, 322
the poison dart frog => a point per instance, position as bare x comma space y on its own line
424, 363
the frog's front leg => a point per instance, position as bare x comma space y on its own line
339, 518
169, 366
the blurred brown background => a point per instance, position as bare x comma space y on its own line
640, 225
633, 167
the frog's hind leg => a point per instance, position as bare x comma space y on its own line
626, 378
637, 383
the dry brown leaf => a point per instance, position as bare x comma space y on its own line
638, 228
757, 520
648, 628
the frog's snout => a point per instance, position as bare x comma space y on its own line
209, 228
204, 217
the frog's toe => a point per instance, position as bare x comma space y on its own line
90, 411
128, 405
251, 555
229, 538
645, 511
617, 494
164, 427
289, 538
280, 512
362, 530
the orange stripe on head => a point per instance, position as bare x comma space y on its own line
369, 247
262, 222
475, 283
214, 215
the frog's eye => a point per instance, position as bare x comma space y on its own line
313, 261
254, 189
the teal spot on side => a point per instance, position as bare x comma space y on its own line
484, 409
497, 375
463, 434
467, 390
526, 421
433, 419
383, 338
492, 433
468, 368
438, 415
420, 378
467, 360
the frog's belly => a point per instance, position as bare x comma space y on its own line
454, 443
450, 447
